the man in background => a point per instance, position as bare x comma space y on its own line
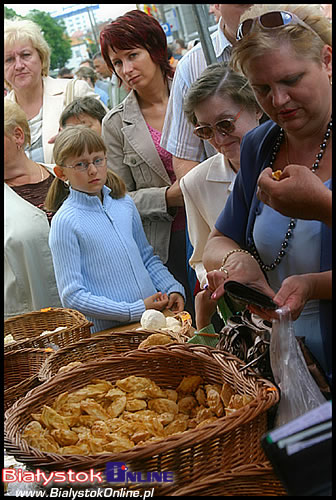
117, 93
177, 135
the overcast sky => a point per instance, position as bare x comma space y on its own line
106, 11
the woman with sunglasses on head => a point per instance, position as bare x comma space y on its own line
222, 108
134, 47
285, 53
104, 265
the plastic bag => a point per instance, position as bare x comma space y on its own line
299, 391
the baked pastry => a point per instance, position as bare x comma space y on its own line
276, 175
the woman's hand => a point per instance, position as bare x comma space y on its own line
176, 302
299, 193
158, 301
205, 308
239, 267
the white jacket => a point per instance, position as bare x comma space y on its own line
53, 105
29, 280
205, 189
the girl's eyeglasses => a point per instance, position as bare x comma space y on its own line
224, 127
82, 166
274, 19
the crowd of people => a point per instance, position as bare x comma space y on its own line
136, 182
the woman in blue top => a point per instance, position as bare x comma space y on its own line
285, 53
104, 265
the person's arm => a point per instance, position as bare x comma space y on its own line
66, 255
239, 265
198, 228
162, 279
299, 193
182, 166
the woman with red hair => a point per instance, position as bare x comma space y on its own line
134, 47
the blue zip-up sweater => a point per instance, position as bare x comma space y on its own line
104, 265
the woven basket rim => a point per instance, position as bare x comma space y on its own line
45, 371
80, 321
264, 400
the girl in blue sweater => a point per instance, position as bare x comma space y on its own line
104, 265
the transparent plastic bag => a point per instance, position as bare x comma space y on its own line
299, 392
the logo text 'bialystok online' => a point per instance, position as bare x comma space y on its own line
117, 472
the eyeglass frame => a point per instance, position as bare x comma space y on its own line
294, 20
88, 163
212, 127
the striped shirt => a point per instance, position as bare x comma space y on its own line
177, 134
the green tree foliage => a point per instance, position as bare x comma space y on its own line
55, 34
10, 13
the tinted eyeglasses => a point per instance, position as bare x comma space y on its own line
224, 127
274, 19
82, 166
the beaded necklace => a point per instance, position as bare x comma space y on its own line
292, 223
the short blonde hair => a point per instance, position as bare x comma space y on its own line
302, 40
14, 116
20, 30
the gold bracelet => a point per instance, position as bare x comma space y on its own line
230, 253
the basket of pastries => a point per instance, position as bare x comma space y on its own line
257, 480
21, 367
180, 408
104, 344
52, 325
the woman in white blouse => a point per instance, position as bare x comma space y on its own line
29, 280
221, 106
42, 98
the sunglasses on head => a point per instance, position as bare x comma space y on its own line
274, 19
224, 127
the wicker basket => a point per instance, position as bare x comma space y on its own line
26, 329
21, 367
97, 346
227, 443
253, 480
12, 394
21, 364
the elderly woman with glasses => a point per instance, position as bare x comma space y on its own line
286, 54
222, 108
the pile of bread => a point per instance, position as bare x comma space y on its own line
114, 417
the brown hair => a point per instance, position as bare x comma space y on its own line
301, 39
73, 141
219, 80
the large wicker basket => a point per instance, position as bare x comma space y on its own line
26, 328
100, 345
252, 480
227, 443
21, 367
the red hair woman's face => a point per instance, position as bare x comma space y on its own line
135, 67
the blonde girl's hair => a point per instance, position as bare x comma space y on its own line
14, 116
304, 42
23, 30
73, 141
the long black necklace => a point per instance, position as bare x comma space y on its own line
292, 223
